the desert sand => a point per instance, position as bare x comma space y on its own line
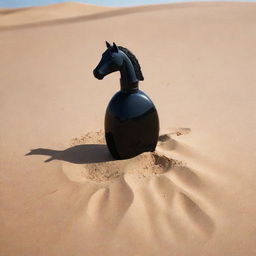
31, 15
61, 193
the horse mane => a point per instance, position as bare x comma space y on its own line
134, 61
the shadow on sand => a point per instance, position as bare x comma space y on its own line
80, 154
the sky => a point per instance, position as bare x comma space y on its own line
26, 3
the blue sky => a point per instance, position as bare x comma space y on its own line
23, 3
26, 3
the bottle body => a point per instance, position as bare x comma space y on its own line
131, 124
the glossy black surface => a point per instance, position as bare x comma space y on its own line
131, 120
131, 124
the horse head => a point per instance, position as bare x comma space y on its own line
111, 61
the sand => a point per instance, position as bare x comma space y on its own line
61, 193
47, 14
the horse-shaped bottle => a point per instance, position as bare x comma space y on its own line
131, 119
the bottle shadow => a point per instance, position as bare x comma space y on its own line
80, 154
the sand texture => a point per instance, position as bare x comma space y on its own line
47, 14
61, 192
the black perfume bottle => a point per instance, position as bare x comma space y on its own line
131, 119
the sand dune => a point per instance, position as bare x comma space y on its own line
61, 193
55, 12
70, 12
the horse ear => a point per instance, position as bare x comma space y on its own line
107, 44
115, 48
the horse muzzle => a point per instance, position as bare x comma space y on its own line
97, 74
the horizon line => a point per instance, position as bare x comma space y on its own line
3, 3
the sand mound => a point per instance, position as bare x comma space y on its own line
144, 165
96, 163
